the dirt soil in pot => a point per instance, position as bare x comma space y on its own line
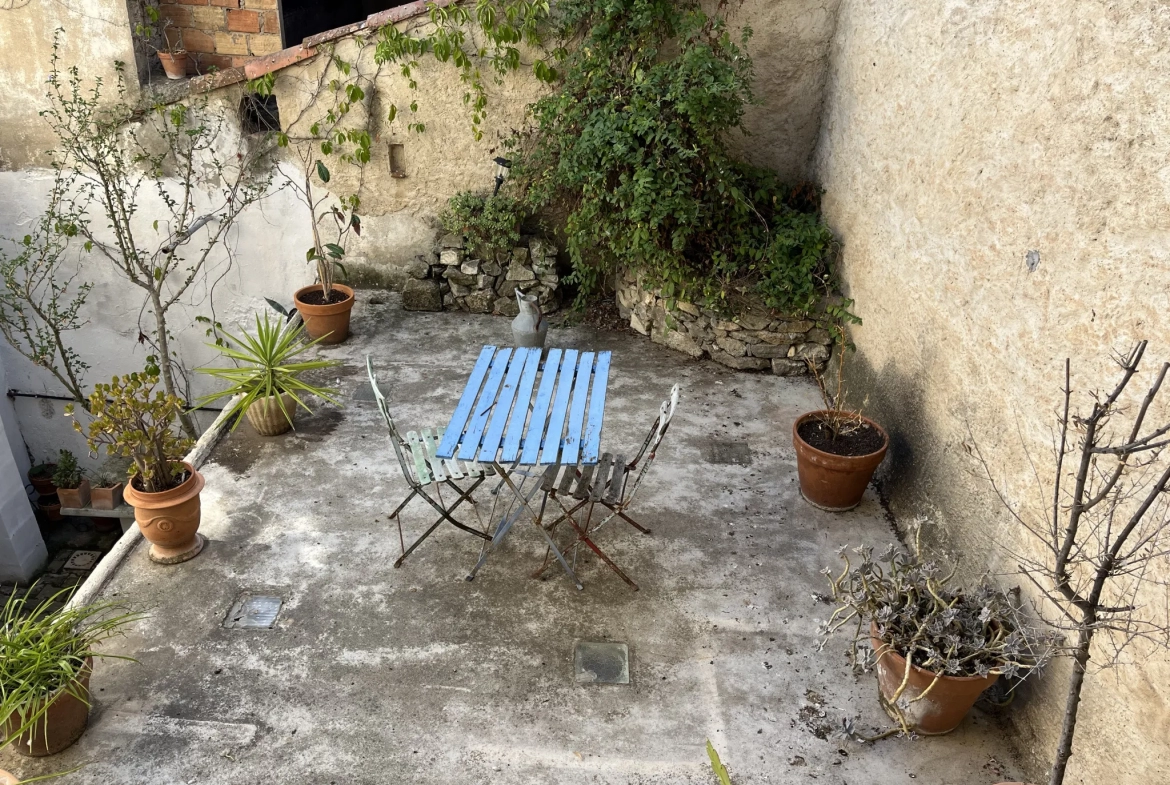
317, 297
865, 440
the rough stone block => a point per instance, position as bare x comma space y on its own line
748, 336
784, 367
518, 272
450, 302
483, 281
459, 290
542, 249
417, 268
812, 351
739, 363
520, 256
750, 321
791, 326
420, 295
480, 302
638, 325
768, 350
470, 267
819, 335
491, 268
451, 242
732, 347
727, 326
457, 276
506, 306
686, 307
451, 257
551, 281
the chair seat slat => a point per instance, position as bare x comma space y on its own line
614, 492
582, 490
418, 452
433, 461
601, 477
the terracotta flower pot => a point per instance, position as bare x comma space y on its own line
328, 322
67, 718
43, 483
106, 498
8, 778
174, 64
75, 497
267, 417
170, 520
939, 712
834, 482
50, 506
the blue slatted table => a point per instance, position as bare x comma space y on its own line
519, 410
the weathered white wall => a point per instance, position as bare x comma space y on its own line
22, 551
959, 135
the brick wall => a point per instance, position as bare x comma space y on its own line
223, 33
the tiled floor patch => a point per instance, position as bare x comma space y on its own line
601, 663
254, 611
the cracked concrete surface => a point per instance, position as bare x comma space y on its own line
378, 675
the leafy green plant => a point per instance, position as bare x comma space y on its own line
132, 419
489, 223
266, 367
41, 469
717, 765
44, 653
155, 25
68, 474
105, 480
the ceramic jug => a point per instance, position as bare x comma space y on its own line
530, 326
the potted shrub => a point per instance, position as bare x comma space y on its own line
172, 56
132, 419
44, 673
935, 648
325, 306
267, 376
106, 493
41, 478
837, 449
72, 485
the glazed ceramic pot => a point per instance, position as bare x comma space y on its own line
268, 418
330, 322
62, 725
170, 520
834, 482
939, 712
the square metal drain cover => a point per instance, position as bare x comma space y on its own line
601, 663
83, 560
734, 453
254, 611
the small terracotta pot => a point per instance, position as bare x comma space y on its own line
106, 498
330, 323
170, 520
75, 497
67, 718
51, 507
834, 482
43, 483
267, 417
174, 64
939, 712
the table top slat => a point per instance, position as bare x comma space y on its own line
520, 409
591, 442
571, 444
530, 444
560, 407
503, 407
459, 417
469, 444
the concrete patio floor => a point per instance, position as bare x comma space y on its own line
381, 675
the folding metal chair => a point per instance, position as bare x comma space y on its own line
426, 473
608, 484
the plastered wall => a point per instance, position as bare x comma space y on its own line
958, 136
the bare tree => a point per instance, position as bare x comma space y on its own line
1107, 526
112, 153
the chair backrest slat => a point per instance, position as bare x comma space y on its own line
650, 445
395, 437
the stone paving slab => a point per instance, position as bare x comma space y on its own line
372, 674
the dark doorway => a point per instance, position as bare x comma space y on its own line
303, 18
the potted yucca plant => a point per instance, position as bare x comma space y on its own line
44, 673
131, 418
267, 376
72, 485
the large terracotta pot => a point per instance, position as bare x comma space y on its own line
170, 520
67, 718
75, 497
834, 482
330, 323
267, 417
939, 712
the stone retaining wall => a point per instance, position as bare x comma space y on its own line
748, 342
452, 281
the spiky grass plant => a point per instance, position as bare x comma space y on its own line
43, 652
265, 367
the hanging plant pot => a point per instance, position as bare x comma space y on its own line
106, 498
170, 520
50, 506
41, 478
174, 63
268, 418
942, 709
75, 497
328, 321
835, 472
61, 725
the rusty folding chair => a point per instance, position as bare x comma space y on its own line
608, 484
426, 473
